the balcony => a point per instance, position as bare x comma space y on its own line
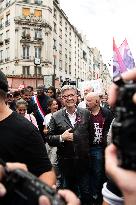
26, 58
7, 40
7, 23
38, 75
1, 43
32, 21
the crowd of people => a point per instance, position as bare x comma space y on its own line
61, 139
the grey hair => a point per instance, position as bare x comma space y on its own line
68, 87
20, 102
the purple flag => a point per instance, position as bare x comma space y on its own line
118, 64
126, 55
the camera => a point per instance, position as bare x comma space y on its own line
29, 187
124, 125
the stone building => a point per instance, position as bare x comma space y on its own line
39, 44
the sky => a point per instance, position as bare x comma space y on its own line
101, 20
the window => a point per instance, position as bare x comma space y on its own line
7, 54
26, 11
1, 23
38, 69
60, 33
37, 13
54, 44
55, 27
69, 69
84, 55
7, 39
65, 38
66, 26
70, 42
60, 20
7, 3
66, 68
60, 48
65, 53
1, 55
7, 34
26, 33
26, 30
60, 64
38, 34
7, 22
38, 2
1, 37
26, 70
26, 52
37, 52
55, 13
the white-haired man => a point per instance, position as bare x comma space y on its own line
87, 89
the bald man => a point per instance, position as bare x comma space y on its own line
101, 118
87, 89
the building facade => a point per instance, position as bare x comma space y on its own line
40, 30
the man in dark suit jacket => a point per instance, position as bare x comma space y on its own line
70, 130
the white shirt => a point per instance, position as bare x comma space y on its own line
47, 119
72, 117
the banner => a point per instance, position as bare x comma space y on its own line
126, 55
118, 64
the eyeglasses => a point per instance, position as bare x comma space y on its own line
68, 96
20, 110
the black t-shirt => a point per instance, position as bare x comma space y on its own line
20, 141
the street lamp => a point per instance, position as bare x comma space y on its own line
54, 65
37, 61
